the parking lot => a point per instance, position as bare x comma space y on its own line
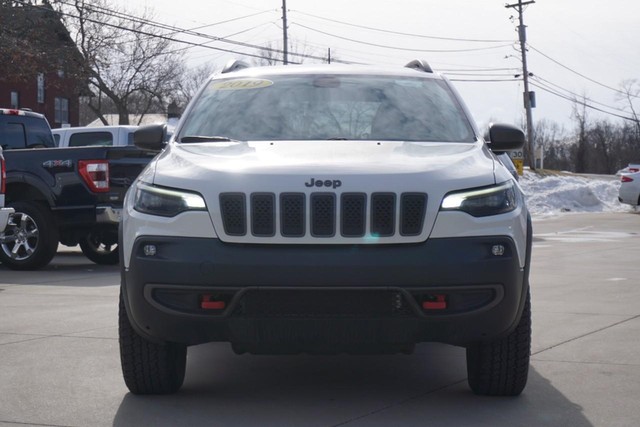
59, 360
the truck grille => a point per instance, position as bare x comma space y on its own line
323, 215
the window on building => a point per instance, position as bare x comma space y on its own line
40, 88
61, 110
15, 100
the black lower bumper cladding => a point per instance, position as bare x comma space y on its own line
299, 298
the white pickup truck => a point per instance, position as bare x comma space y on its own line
4, 212
101, 135
326, 209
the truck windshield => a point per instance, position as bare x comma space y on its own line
338, 107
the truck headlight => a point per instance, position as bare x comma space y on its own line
494, 200
161, 201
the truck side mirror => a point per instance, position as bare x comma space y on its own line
150, 138
504, 137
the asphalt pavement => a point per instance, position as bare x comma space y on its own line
59, 359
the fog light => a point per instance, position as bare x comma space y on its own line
150, 250
497, 250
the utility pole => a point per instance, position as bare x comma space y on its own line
522, 33
285, 41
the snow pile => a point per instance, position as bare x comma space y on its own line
564, 192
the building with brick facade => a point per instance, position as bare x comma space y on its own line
41, 68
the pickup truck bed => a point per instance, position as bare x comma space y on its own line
70, 196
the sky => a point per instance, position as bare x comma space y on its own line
587, 47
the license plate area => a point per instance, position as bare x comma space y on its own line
324, 303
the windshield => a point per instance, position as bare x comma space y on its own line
313, 107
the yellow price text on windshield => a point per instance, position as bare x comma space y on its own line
242, 84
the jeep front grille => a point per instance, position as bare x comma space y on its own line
233, 207
323, 214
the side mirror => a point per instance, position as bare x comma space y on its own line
503, 137
150, 138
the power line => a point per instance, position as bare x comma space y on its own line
116, 13
112, 13
401, 33
483, 80
149, 22
398, 47
477, 74
540, 81
583, 103
203, 44
582, 75
146, 33
154, 24
146, 21
479, 70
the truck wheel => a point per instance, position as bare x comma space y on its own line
30, 240
500, 368
147, 367
99, 250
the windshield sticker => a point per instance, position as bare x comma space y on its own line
242, 84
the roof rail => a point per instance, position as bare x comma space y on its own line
420, 65
234, 65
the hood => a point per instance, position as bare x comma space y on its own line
233, 165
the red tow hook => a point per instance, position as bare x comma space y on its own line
435, 302
209, 304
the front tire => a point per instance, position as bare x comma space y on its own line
501, 367
99, 248
30, 240
147, 367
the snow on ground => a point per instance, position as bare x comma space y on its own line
552, 194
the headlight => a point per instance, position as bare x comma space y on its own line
494, 200
161, 201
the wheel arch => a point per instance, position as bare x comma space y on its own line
27, 188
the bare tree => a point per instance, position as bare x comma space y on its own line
631, 90
550, 137
192, 80
127, 59
603, 139
271, 55
582, 147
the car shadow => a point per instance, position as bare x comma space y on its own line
426, 388
68, 268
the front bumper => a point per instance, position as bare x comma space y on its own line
292, 298
5, 213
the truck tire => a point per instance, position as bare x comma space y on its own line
500, 368
147, 367
30, 240
98, 250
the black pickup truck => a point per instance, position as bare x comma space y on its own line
61, 195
